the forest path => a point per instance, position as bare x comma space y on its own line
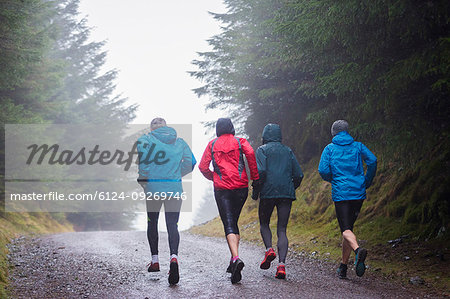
112, 265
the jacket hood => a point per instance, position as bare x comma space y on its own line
165, 134
343, 138
224, 126
271, 133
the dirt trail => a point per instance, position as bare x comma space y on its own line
112, 265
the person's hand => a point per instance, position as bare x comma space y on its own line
256, 186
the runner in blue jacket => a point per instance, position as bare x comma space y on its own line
341, 164
163, 160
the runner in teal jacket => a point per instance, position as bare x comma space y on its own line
280, 174
163, 160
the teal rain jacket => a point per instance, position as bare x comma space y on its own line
279, 171
342, 165
163, 160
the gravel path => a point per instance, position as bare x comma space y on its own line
112, 265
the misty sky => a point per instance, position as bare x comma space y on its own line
152, 45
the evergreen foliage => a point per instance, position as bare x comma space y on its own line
381, 65
50, 72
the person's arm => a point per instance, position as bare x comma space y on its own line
262, 169
261, 162
297, 174
371, 162
188, 162
324, 165
142, 152
251, 159
205, 162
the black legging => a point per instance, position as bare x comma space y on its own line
229, 204
171, 224
266, 207
347, 212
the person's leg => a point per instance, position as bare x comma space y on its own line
233, 244
153, 208
265, 210
343, 214
349, 243
343, 217
353, 208
172, 231
360, 253
283, 211
230, 206
347, 212
174, 241
152, 237
223, 201
172, 210
238, 198
152, 231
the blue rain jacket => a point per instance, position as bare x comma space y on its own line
163, 160
342, 165
279, 171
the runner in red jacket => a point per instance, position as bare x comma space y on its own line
226, 152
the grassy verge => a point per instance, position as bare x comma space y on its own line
15, 224
401, 204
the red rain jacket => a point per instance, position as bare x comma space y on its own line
229, 170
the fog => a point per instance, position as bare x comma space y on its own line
152, 44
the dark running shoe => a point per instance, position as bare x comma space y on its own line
360, 267
268, 258
230, 266
174, 274
236, 269
281, 272
342, 271
153, 267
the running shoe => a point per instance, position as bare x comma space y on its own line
342, 271
236, 269
230, 266
281, 272
360, 267
153, 267
268, 258
174, 274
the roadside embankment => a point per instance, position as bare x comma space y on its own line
16, 224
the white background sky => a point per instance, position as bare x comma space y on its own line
152, 44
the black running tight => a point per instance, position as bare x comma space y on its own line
172, 231
266, 207
229, 204
172, 213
